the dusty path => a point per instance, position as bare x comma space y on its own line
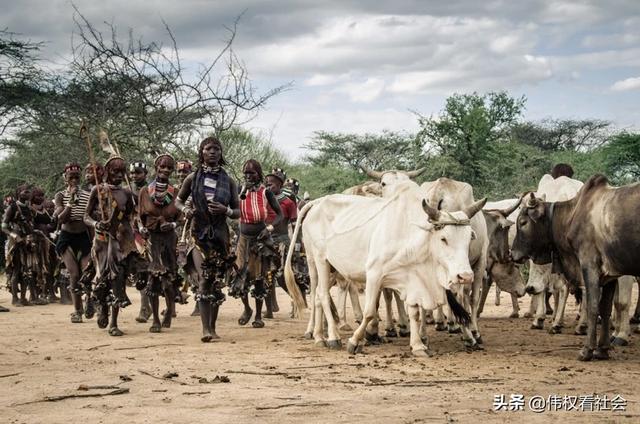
277, 376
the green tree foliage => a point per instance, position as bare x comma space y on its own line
563, 134
622, 158
388, 150
467, 133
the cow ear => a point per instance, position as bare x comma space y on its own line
536, 212
507, 223
473, 235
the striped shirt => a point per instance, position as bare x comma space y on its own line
77, 210
253, 208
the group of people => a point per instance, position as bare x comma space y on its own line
120, 228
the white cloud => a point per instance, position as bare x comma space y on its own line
364, 92
626, 84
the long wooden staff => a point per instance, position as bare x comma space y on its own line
84, 134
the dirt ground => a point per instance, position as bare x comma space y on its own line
278, 376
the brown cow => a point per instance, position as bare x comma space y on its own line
593, 238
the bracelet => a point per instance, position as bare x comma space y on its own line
229, 211
269, 227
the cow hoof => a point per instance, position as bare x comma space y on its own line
425, 340
471, 345
555, 329
549, 311
581, 330
454, 329
538, 324
373, 339
585, 354
514, 315
320, 343
391, 332
601, 354
334, 344
352, 349
404, 332
346, 328
528, 315
308, 336
634, 320
422, 353
479, 340
618, 341
440, 326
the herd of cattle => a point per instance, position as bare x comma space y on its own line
437, 250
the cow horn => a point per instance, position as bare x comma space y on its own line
415, 173
509, 211
473, 209
373, 174
532, 202
432, 212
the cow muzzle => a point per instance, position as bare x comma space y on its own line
464, 278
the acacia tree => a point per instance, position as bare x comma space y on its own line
563, 134
388, 150
139, 92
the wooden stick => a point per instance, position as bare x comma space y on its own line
86, 395
98, 347
84, 134
284, 374
288, 405
10, 375
182, 383
148, 346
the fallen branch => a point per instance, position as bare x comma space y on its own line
164, 379
348, 364
288, 405
148, 346
98, 347
84, 387
196, 393
10, 375
284, 374
86, 395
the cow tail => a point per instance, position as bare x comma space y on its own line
460, 314
289, 279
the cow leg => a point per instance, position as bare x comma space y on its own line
355, 302
591, 282
475, 303
438, 316
403, 318
539, 304
486, 286
516, 307
497, 302
581, 326
428, 317
621, 301
636, 314
560, 303
390, 328
372, 293
372, 334
452, 326
342, 308
313, 284
606, 301
417, 343
324, 298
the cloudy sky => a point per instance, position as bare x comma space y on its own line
363, 66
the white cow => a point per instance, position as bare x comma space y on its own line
450, 195
399, 242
